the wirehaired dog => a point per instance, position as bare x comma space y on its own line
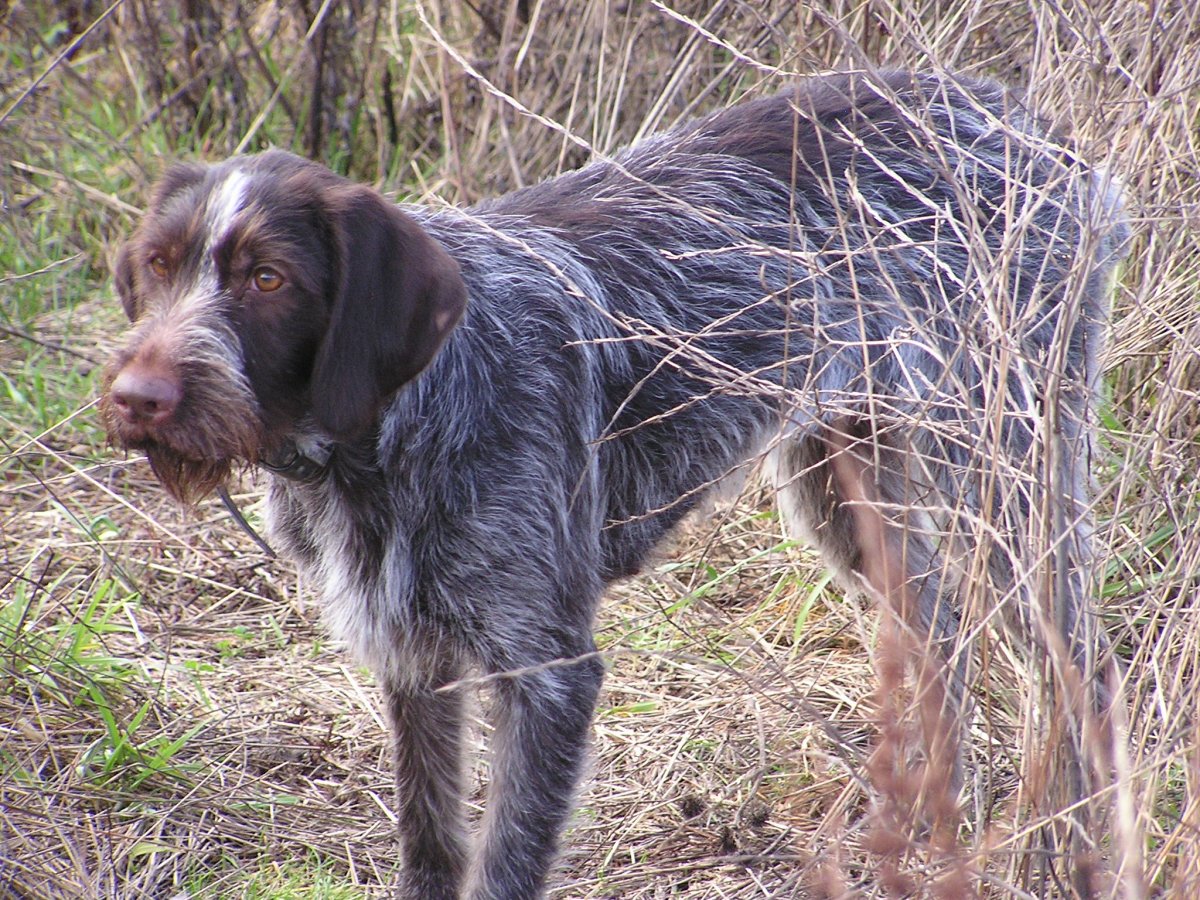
476, 419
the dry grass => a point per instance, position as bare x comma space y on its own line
172, 722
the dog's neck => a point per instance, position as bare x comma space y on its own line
303, 457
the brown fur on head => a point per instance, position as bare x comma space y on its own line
249, 284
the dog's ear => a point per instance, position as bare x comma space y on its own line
178, 177
396, 295
123, 280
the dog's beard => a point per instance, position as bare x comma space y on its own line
187, 480
216, 431
191, 462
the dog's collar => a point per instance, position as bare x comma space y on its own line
304, 459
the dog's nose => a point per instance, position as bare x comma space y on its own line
145, 397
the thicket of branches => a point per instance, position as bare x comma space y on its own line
455, 101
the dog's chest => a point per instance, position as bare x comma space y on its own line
361, 569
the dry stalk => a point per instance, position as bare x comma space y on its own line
917, 813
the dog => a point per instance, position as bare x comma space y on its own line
474, 420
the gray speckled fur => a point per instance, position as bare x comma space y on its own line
908, 257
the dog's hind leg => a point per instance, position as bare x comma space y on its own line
875, 518
813, 497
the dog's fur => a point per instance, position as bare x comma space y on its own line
478, 418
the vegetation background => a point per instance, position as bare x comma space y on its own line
172, 722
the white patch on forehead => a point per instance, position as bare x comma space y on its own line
226, 202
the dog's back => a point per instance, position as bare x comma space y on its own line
700, 292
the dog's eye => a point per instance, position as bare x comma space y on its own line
158, 265
267, 279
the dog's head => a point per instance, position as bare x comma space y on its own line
265, 290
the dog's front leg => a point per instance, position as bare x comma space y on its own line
542, 721
427, 747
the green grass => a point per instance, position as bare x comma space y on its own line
41, 395
58, 660
310, 878
61, 655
